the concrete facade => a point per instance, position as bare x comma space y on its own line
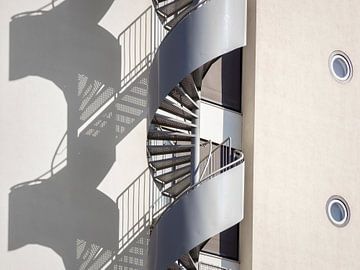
301, 133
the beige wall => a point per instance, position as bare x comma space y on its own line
306, 135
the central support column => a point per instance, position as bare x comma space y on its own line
195, 152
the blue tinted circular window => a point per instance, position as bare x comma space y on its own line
338, 211
340, 66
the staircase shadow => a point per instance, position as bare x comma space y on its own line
63, 209
134, 256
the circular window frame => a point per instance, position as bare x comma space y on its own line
345, 207
335, 55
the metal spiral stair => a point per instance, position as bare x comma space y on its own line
174, 132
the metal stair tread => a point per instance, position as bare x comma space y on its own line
173, 7
178, 188
189, 87
187, 262
176, 109
160, 1
169, 149
174, 175
170, 24
169, 135
174, 266
183, 98
170, 162
172, 122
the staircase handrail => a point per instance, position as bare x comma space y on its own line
210, 156
189, 189
234, 163
237, 161
208, 159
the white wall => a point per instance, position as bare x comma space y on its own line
217, 124
34, 117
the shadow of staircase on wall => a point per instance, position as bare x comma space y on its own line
134, 256
104, 82
127, 110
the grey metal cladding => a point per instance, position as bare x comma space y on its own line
212, 207
217, 27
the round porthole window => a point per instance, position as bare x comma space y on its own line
338, 211
340, 66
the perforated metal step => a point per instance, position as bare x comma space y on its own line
171, 122
183, 98
174, 266
178, 188
170, 162
178, 18
177, 110
169, 149
187, 262
172, 176
189, 87
174, 7
169, 136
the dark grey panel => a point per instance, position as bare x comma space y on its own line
222, 83
212, 207
225, 244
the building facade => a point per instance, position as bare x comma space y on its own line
179, 134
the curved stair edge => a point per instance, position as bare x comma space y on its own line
212, 30
187, 224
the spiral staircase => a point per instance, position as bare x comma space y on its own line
203, 189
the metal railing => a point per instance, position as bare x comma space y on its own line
229, 158
138, 204
139, 42
207, 266
218, 156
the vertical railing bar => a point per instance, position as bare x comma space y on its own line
129, 52
146, 33
140, 44
150, 184
125, 57
122, 218
154, 203
156, 34
128, 212
133, 210
153, 32
138, 199
135, 44
144, 193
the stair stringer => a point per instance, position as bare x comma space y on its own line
212, 207
208, 32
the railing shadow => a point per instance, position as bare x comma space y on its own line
104, 82
137, 204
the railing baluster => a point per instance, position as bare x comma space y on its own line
122, 218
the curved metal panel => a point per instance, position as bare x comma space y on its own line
210, 31
212, 207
